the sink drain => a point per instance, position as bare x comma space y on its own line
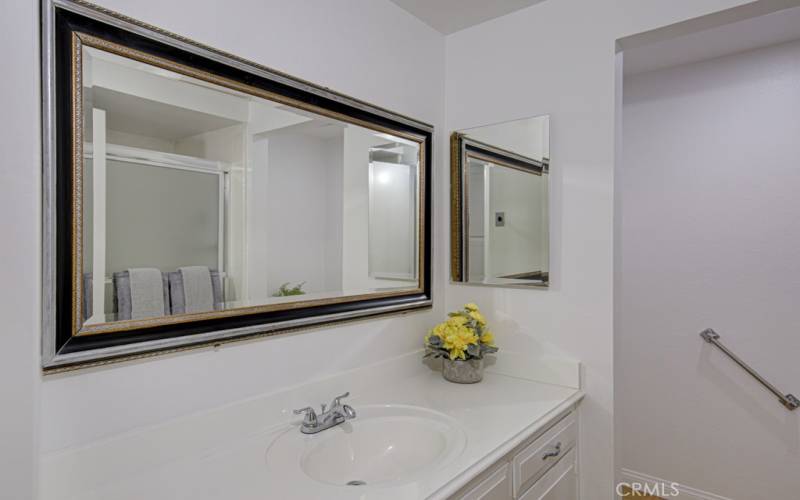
356, 482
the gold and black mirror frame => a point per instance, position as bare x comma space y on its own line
464, 149
68, 341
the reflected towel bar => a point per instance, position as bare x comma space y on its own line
788, 400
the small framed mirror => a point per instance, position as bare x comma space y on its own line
193, 197
500, 204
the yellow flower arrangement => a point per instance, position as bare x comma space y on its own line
477, 316
462, 336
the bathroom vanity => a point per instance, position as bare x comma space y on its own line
544, 466
414, 436
148, 133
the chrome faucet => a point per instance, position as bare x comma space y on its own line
336, 414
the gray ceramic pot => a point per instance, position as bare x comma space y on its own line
462, 371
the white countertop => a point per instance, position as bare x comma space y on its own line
220, 454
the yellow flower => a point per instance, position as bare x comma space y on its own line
460, 331
457, 338
456, 320
478, 317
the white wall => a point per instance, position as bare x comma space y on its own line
120, 75
306, 39
140, 141
224, 144
529, 137
263, 118
478, 214
558, 58
19, 224
355, 217
516, 246
393, 215
709, 238
334, 232
303, 231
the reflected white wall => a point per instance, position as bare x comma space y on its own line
303, 216
355, 223
528, 136
515, 247
393, 238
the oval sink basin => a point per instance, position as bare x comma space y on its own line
389, 444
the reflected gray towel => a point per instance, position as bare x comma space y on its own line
177, 302
88, 292
147, 293
197, 292
122, 294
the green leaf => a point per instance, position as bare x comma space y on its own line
285, 291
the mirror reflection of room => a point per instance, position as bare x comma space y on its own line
506, 177
198, 198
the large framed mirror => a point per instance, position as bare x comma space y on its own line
500, 204
192, 197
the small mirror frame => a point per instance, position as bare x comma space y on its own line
461, 149
66, 24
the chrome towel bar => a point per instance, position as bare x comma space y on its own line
787, 400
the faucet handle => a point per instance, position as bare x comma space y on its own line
310, 419
337, 400
348, 412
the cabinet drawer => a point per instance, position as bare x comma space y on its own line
559, 483
535, 459
495, 487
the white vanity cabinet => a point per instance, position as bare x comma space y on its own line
543, 467
497, 486
559, 483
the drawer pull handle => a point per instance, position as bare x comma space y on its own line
551, 454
